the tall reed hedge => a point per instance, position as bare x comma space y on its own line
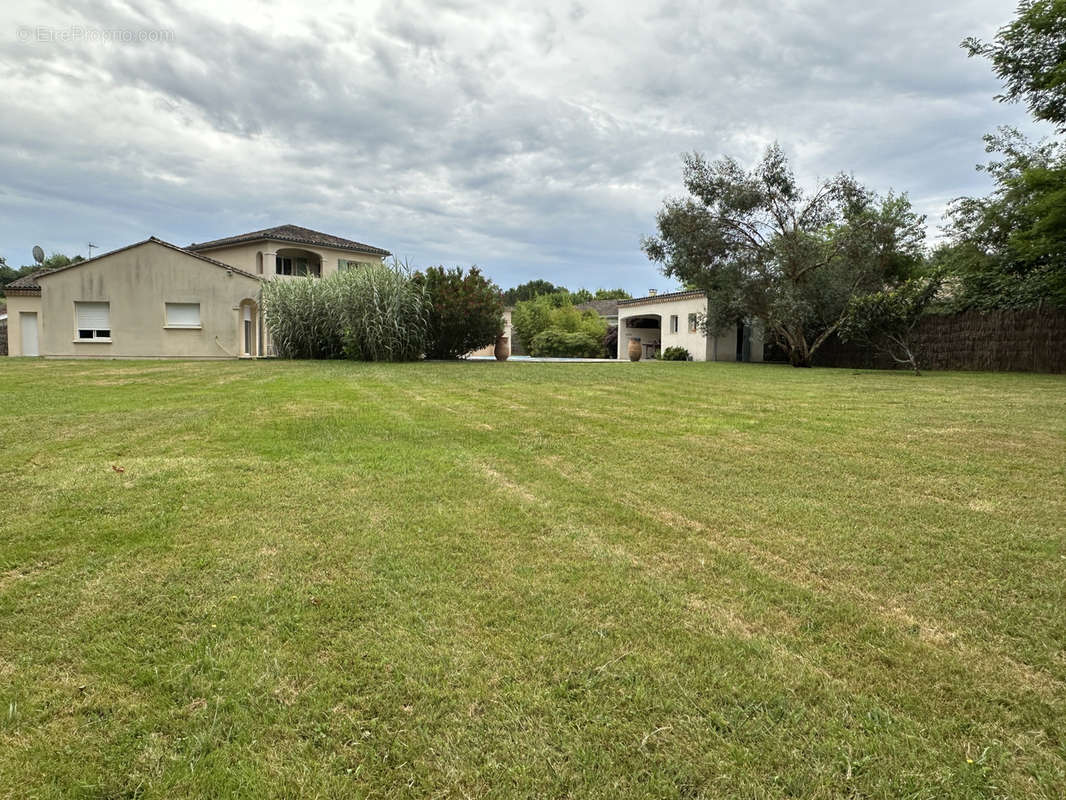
374, 313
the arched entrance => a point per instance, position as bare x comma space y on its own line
248, 329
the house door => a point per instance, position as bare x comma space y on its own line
28, 329
249, 332
743, 342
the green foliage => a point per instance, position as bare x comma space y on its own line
1029, 55
538, 288
530, 290
55, 261
465, 312
887, 319
376, 313
554, 312
1008, 250
675, 353
303, 316
555, 343
611, 294
761, 247
586, 295
581, 296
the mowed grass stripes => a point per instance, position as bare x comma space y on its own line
295, 579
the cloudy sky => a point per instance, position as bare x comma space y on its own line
534, 139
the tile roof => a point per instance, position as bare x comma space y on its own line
605, 308
292, 233
662, 298
28, 284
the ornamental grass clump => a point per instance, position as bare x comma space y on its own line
302, 317
383, 313
374, 313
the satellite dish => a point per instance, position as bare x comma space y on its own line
38, 254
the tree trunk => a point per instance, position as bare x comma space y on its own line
912, 361
799, 355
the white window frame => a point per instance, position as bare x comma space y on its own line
172, 322
674, 323
346, 264
94, 327
693, 323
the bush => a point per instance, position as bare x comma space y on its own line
375, 313
554, 343
465, 311
554, 312
675, 354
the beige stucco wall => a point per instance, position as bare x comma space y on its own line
243, 256
137, 283
696, 343
722, 347
15, 306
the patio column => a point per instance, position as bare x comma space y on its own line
269, 263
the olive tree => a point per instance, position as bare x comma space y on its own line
761, 246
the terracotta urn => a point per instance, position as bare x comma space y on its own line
634, 350
503, 348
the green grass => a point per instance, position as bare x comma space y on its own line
535, 580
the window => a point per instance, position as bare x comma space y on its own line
259, 263
345, 264
93, 321
286, 265
183, 315
673, 323
693, 323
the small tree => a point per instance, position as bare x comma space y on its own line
465, 311
762, 247
886, 320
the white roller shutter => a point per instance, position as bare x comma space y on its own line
93, 316
183, 315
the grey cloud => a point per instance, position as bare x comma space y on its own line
537, 141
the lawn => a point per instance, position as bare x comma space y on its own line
530, 580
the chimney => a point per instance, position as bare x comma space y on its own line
652, 292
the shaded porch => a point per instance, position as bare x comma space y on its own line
643, 328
